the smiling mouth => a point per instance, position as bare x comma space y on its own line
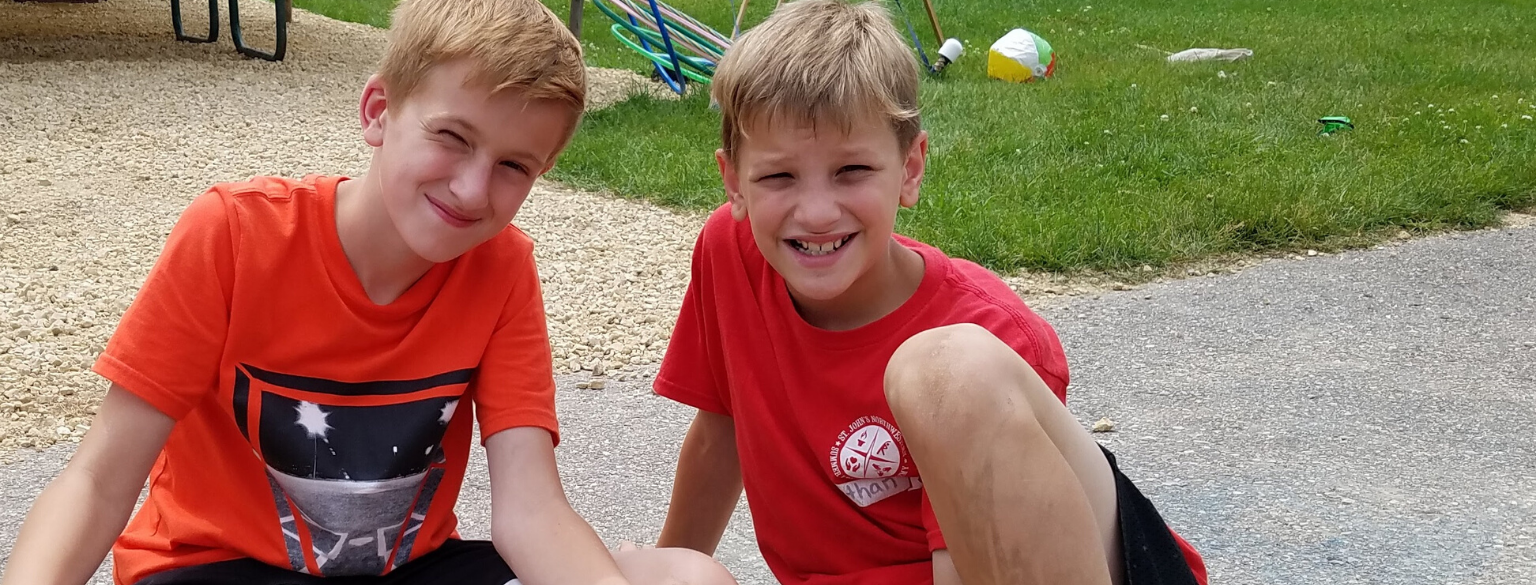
821, 249
449, 213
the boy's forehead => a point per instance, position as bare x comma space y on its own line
860, 134
454, 79
822, 119
457, 97
461, 79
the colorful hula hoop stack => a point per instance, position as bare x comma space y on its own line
681, 48
678, 46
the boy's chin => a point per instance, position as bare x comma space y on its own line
817, 290
437, 252
808, 286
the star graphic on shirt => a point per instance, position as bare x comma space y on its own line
448, 411
313, 420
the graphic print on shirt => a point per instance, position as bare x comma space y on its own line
356, 463
870, 462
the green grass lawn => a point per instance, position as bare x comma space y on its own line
1124, 160
369, 12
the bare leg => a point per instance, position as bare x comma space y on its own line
670, 566
1020, 489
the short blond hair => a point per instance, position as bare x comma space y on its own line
511, 44
819, 61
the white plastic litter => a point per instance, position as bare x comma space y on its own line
1210, 55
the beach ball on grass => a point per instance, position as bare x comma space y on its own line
1021, 56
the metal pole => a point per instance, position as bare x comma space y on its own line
736, 28
934, 19
575, 20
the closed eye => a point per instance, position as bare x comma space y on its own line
774, 176
855, 168
514, 166
451, 135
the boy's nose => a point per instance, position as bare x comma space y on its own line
817, 211
471, 185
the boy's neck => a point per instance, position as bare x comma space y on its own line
881, 291
385, 266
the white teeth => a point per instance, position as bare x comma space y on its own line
815, 249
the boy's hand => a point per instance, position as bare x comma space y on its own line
707, 486
75, 520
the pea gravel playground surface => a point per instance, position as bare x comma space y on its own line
1362, 417
110, 127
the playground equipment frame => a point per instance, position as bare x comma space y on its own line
284, 15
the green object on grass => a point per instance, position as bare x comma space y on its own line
1333, 124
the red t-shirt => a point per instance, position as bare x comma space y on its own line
317, 431
834, 494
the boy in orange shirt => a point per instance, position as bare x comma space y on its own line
896, 416
300, 374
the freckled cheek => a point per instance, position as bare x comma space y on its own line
508, 200
770, 211
429, 162
766, 222
443, 167
880, 197
765, 235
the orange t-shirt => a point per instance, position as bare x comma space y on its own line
316, 430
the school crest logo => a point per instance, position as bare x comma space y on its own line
870, 462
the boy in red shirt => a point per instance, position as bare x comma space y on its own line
895, 416
300, 374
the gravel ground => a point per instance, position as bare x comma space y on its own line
1352, 418
1360, 418
109, 127
618, 449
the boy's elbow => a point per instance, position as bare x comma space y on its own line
713, 433
502, 537
508, 538
521, 523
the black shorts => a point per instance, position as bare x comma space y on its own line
1151, 555
467, 562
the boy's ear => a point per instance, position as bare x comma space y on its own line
732, 182
371, 112
915, 164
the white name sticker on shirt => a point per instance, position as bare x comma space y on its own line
868, 491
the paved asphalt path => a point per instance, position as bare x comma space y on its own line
1359, 418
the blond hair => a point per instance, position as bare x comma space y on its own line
510, 44
819, 61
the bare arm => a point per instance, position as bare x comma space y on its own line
707, 486
944, 572
75, 520
532, 523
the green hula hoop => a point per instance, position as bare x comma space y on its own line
699, 69
709, 45
694, 68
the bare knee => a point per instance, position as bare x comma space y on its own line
953, 375
696, 568
674, 566
939, 355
